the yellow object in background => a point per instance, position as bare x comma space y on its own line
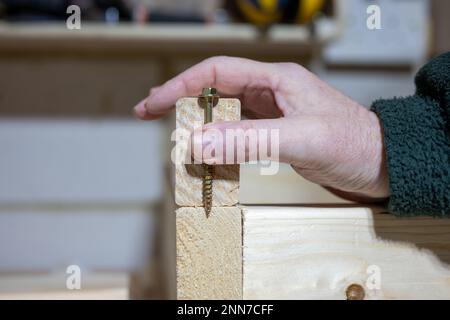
308, 9
264, 12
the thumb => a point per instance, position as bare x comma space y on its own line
233, 142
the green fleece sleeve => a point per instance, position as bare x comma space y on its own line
417, 141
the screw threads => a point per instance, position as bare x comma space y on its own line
208, 100
207, 187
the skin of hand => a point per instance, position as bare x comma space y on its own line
325, 136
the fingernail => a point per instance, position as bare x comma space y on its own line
140, 109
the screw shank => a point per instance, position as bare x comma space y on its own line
210, 99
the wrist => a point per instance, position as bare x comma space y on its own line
378, 187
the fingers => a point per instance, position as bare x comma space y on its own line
231, 76
140, 111
244, 141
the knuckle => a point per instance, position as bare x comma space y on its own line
216, 60
152, 91
290, 66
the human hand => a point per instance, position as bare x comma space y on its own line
325, 136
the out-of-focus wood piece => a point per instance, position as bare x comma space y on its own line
318, 252
188, 177
167, 236
441, 24
97, 294
52, 286
166, 41
284, 187
209, 253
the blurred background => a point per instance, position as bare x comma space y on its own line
84, 183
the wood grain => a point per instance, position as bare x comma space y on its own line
316, 253
209, 253
188, 177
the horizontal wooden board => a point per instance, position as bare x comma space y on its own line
318, 252
165, 40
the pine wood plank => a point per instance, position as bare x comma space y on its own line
209, 253
188, 177
316, 253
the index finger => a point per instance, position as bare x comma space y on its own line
231, 76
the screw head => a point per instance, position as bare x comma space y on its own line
209, 97
355, 292
209, 92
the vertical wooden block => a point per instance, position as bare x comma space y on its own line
188, 177
209, 253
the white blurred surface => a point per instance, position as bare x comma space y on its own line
79, 161
402, 39
94, 239
77, 192
366, 87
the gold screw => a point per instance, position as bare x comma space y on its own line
208, 100
355, 292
